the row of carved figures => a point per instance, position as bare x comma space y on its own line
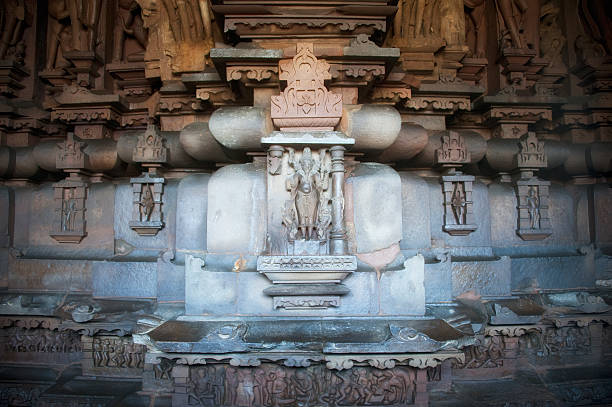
272, 385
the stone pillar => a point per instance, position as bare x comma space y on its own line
337, 241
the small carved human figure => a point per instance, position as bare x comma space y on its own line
533, 207
147, 204
59, 39
69, 209
511, 14
275, 160
307, 186
12, 22
476, 32
459, 203
130, 24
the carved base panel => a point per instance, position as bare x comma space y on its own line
534, 234
306, 302
147, 228
68, 237
459, 230
272, 385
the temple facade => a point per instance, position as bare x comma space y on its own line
305, 203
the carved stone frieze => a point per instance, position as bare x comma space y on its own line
511, 330
305, 104
20, 340
435, 103
552, 341
488, 352
252, 73
269, 385
115, 352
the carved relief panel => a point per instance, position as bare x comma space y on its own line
148, 189
305, 104
456, 186
273, 385
69, 222
111, 355
147, 218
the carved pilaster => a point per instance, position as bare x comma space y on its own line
456, 186
532, 193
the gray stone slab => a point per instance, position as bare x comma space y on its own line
124, 279
416, 230
438, 282
237, 210
245, 54
191, 210
376, 200
554, 272
209, 292
4, 216
170, 281
488, 278
251, 297
50, 275
402, 291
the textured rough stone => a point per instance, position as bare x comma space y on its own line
402, 291
236, 209
221, 289
125, 279
374, 127
377, 206
416, 229
240, 128
191, 214
488, 278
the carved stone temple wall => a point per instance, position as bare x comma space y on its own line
348, 203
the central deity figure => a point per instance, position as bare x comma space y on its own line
307, 186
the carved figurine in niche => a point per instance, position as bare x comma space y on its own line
69, 210
147, 203
533, 207
476, 32
552, 39
459, 203
416, 19
517, 28
308, 184
596, 17
12, 24
130, 24
84, 20
59, 39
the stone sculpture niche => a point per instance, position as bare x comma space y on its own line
532, 194
70, 194
306, 236
148, 189
456, 186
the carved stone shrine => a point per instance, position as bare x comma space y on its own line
373, 203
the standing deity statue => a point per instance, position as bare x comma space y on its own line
12, 24
84, 21
59, 39
476, 31
130, 24
517, 28
303, 212
533, 207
